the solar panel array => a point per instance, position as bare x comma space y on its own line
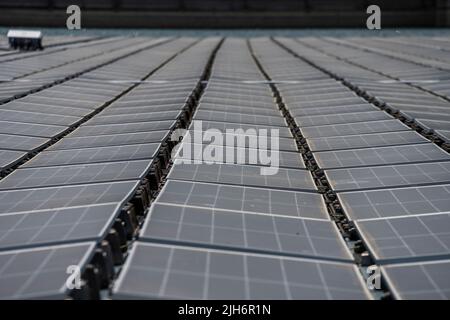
69, 196
394, 186
239, 169
224, 231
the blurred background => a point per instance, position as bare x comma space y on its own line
231, 14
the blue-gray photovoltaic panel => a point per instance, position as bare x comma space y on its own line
353, 128
148, 101
208, 115
94, 155
239, 109
434, 124
251, 156
314, 96
109, 129
38, 118
245, 175
21, 143
419, 281
248, 140
385, 203
232, 275
389, 176
9, 158
248, 232
51, 93
426, 152
445, 134
40, 273
109, 140
65, 197
320, 120
332, 110
246, 199
231, 94
75, 174
370, 140
408, 238
147, 109
30, 229
47, 109
29, 129
330, 102
266, 104
135, 117
224, 126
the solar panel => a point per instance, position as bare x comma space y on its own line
325, 102
361, 205
366, 141
37, 118
434, 124
239, 118
239, 102
419, 281
389, 176
29, 129
444, 134
135, 117
336, 118
31, 229
94, 155
9, 158
246, 199
75, 174
147, 109
239, 109
381, 156
353, 128
407, 238
245, 175
40, 273
248, 232
242, 155
214, 274
109, 140
231, 94
51, 93
21, 143
148, 101
65, 197
108, 129
48, 109
313, 96
332, 110
223, 126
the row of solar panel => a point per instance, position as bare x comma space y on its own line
411, 88
35, 73
59, 205
403, 214
25, 130
223, 230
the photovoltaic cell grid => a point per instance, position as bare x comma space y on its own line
232, 206
61, 195
193, 273
245, 232
40, 273
245, 175
392, 182
403, 215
